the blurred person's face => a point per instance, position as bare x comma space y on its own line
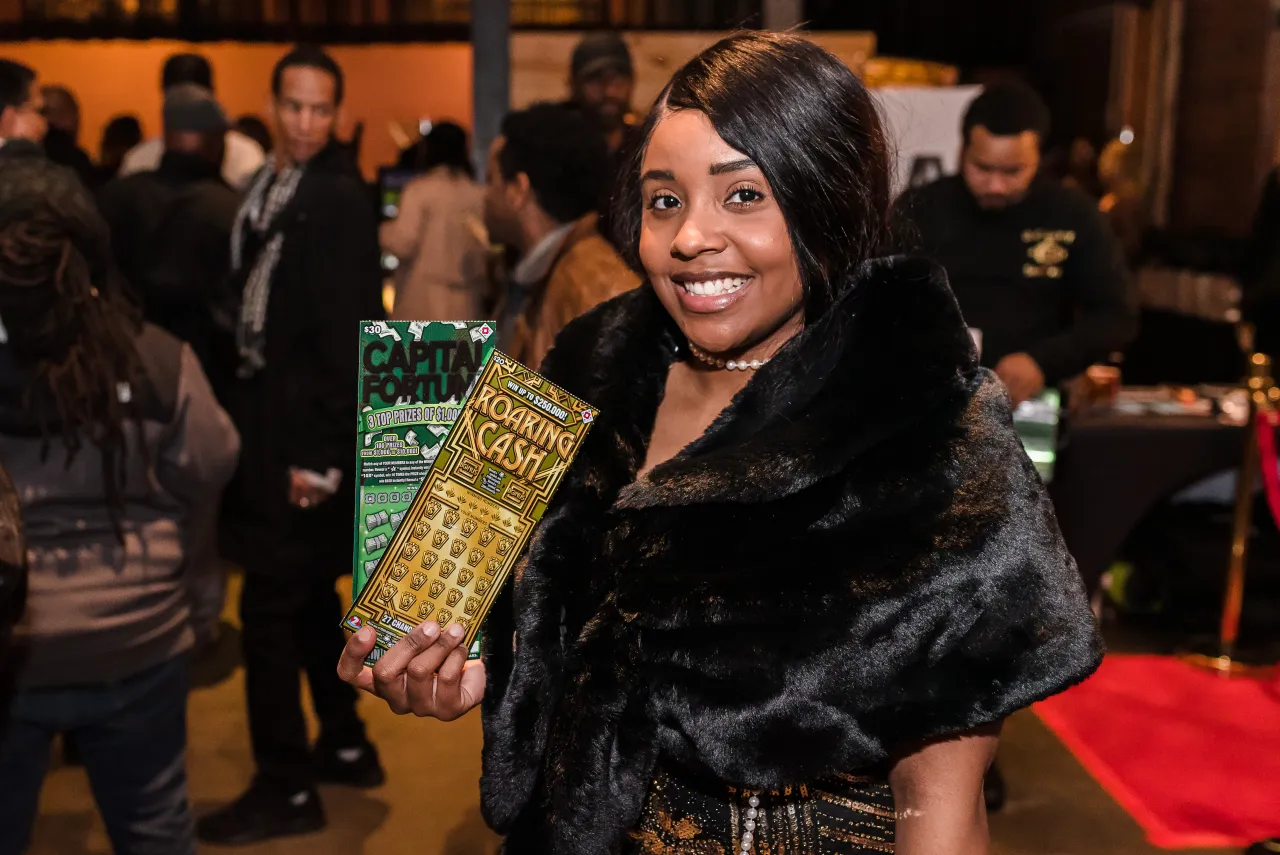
714, 242
26, 121
503, 200
306, 111
999, 170
607, 93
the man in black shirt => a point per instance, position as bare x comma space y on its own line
1036, 270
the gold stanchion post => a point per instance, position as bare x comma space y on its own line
1225, 660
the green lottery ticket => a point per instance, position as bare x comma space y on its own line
414, 376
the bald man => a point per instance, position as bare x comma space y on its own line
62, 112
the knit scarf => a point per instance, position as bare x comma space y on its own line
263, 204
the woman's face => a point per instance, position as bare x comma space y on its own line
714, 242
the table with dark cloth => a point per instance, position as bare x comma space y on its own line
1113, 469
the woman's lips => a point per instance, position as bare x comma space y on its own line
704, 295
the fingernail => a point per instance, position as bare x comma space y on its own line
430, 630
456, 631
365, 635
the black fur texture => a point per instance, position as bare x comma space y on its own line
855, 557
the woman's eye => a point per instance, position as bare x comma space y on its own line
745, 196
663, 202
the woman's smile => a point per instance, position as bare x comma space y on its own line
711, 291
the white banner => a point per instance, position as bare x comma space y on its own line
924, 130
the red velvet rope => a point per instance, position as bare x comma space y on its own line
1268, 421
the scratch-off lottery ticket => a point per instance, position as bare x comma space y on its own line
488, 487
414, 376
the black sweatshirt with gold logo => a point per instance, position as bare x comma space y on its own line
1044, 277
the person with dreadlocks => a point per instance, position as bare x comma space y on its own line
116, 448
305, 249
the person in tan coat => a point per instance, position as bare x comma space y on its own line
438, 237
545, 175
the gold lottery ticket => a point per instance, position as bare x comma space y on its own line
487, 489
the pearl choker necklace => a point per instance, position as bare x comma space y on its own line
733, 364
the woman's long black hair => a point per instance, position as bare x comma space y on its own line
73, 332
813, 129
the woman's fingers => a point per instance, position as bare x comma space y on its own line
472, 686
425, 673
351, 667
390, 676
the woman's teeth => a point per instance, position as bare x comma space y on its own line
714, 287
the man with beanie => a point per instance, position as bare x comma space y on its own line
601, 81
242, 157
171, 228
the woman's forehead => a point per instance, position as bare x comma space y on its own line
686, 138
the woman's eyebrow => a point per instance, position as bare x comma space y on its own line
658, 175
733, 166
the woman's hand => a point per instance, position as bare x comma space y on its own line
425, 673
937, 793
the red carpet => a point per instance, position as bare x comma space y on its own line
1194, 758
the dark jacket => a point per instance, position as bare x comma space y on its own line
850, 560
99, 610
61, 148
300, 410
170, 233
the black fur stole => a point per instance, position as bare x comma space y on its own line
856, 556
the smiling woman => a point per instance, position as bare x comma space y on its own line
802, 569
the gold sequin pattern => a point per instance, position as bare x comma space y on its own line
844, 815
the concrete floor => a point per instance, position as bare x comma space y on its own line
430, 805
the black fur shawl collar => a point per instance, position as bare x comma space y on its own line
856, 556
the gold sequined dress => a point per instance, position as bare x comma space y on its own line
844, 815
